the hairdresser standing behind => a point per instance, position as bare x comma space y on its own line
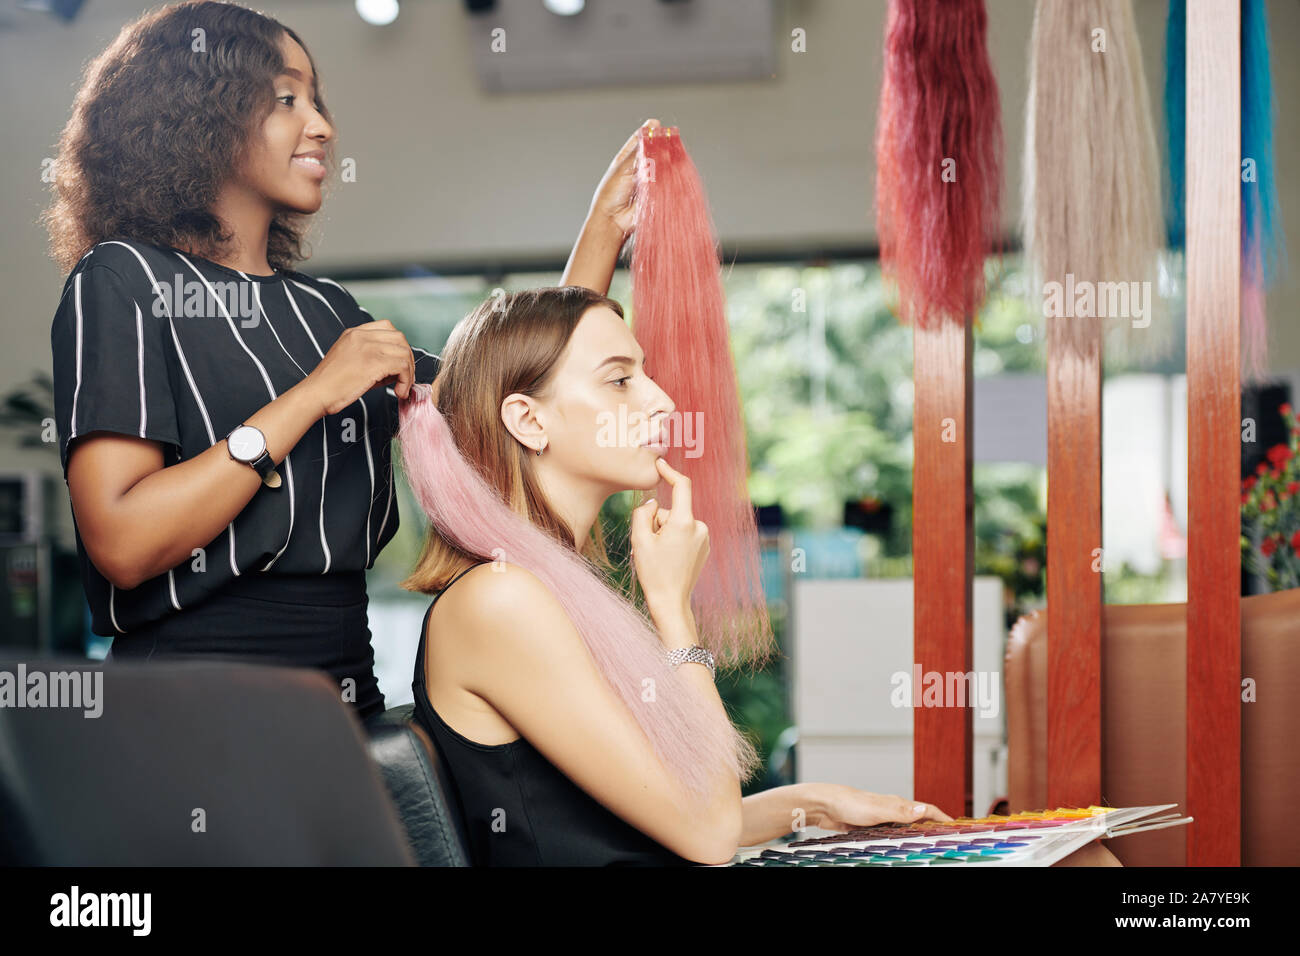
225, 422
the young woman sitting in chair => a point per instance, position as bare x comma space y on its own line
558, 747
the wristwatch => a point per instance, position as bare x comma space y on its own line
247, 444
696, 655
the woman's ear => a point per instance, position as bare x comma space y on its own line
519, 415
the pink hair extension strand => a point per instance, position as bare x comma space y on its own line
693, 741
679, 317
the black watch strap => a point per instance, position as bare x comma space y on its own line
264, 465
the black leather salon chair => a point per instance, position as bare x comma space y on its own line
200, 763
418, 783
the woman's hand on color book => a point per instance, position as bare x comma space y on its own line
668, 553
839, 807
617, 190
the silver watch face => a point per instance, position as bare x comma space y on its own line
247, 443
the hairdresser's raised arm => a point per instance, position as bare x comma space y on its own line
609, 222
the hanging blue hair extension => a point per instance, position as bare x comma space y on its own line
1262, 239
1262, 218
1263, 242
1176, 119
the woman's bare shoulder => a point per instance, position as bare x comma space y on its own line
492, 597
499, 619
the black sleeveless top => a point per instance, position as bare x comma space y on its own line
519, 808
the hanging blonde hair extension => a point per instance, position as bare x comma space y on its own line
1092, 208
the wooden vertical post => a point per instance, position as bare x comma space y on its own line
943, 558
1213, 219
1074, 562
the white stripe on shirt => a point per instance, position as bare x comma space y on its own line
76, 297
139, 351
288, 465
324, 433
171, 579
307, 288
266, 379
189, 377
365, 425
112, 613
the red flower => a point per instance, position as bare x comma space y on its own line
1267, 547
1293, 486
1249, 482
1285, 408
1245, 497
1295, 542
1279, 453
1261, 469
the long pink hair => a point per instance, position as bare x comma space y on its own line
938, 158
692, 739
679, 315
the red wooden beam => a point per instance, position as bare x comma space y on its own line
1214, 432
1074, 562
943, 558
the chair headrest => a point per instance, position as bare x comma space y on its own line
419, 784
186, 763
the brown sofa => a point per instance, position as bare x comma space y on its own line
1144, 735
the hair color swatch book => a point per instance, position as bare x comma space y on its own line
1029, 838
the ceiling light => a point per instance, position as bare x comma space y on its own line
379, 12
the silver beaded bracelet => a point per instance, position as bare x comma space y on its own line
696, 654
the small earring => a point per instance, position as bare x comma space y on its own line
539, 451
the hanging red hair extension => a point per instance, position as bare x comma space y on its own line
679, 317
938, 158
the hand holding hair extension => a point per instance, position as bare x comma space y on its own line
691, 738
938, 158
1091, 188
680, 319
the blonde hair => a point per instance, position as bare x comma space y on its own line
1092, 206
508, 344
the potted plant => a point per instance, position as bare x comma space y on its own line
1270, 512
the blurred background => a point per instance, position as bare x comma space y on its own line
474, 171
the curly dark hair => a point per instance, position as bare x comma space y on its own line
158, 127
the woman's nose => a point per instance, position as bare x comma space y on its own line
656, 420
661, 406
319, 128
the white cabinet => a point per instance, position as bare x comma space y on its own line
851, 655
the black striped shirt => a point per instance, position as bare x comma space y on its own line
155, 342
